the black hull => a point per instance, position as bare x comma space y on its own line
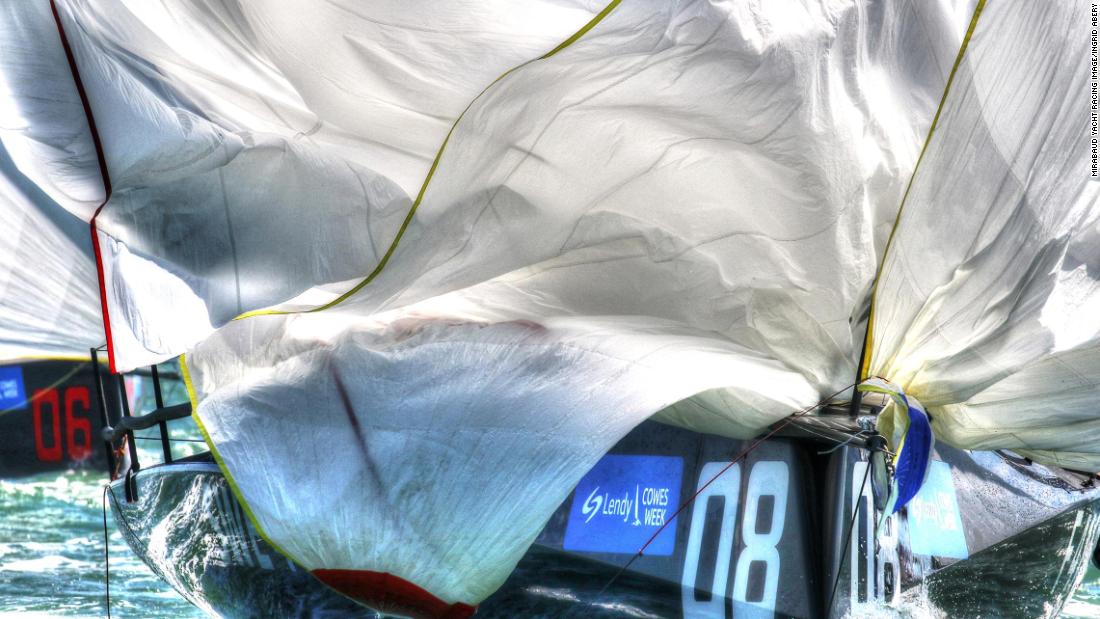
1017, 545
49, 418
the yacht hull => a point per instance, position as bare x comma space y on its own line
773, 535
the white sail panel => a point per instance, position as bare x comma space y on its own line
987, 305
42, 122
433, 449
49, 303
679, 213
253, 151
592, 249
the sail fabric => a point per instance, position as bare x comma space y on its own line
49, 304
907, 427
468, 247
254, 150
425, 448
988, 307
552, 291
268, 155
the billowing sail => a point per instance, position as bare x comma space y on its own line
988, 306
49, 304
428, 264
234, 157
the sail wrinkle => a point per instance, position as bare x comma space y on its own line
439, 261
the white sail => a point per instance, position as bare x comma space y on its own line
49, 303
493, 237
253, 151
585, 297
988, 308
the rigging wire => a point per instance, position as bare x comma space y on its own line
171, 440
787, 421
57, 383
847, 540
857, 435
106, 551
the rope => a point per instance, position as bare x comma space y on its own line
851, 438
57, 383
847, 539
106, 552
789, 419
171, 440
123, 449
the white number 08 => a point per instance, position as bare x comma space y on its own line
767, 479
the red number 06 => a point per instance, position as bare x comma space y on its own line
49, 398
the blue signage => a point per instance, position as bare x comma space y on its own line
12, 393
622, 502
935, 526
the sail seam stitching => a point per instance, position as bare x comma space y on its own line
868, 340
233, 486
431, 173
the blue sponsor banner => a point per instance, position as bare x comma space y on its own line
12, 392
622, 502
935, 525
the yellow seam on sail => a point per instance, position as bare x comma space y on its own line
186, 374
901, 443
431, 172
868, 349
377, 269
578, 34
900, 447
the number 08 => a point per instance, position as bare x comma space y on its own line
768, 480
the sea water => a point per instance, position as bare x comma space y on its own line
1086, 603
52, 560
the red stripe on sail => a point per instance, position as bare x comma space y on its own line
102, 159
389, 594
